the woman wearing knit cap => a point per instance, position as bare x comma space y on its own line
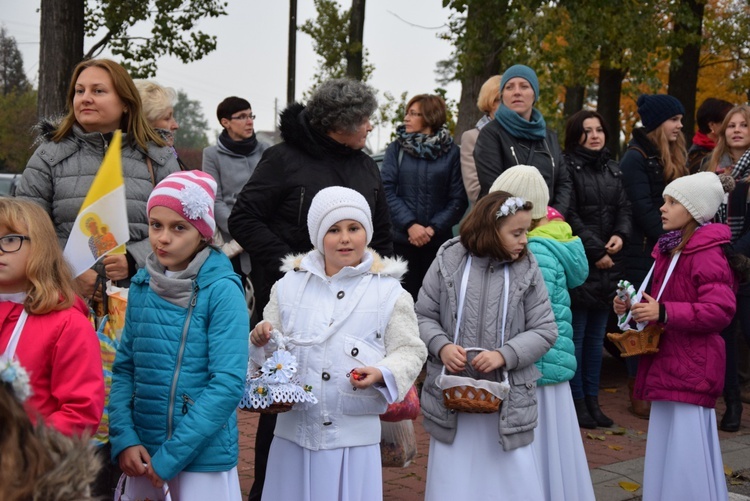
561, 459
732, 156
600, 215
181, 364
519, 135
353, 330
656, 156
422, 179
691, 298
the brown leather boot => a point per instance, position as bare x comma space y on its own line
639, 408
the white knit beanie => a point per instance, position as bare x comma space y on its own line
191, 194
525, 181
701, 194
335, 204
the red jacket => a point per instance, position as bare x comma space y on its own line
60, 351
700, 303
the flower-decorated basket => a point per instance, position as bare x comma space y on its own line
273, 386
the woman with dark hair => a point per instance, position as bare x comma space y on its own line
101, 99
322, 147
709, 117
422, 179
600, 215
655, 157
519, 136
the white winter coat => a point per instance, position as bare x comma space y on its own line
359, 317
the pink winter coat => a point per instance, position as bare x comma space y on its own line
700, 303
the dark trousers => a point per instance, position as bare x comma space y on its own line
107, 478
730, 335
263, 438
419, 260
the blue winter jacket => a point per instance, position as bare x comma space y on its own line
563, 262
180, 372
428, 192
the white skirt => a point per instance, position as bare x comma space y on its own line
558, 448
683, 454
347, 474
475, 464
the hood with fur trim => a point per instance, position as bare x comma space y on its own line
74, 468
385, 266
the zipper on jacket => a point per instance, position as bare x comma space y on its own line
483, 306
645, 243
180, 353
185, 401
513, 151
301, 201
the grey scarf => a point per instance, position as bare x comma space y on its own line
176, 289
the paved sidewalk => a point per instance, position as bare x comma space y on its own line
614, 455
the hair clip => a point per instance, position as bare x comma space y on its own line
13, 373
510, 206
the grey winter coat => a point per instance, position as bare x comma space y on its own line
231, 171
58, 177
530, 332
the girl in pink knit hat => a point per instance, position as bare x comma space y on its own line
180, 367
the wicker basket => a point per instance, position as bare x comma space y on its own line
633, 342
275, 408
477, 396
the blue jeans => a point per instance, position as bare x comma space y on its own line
589, 326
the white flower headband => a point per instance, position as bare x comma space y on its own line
13, 373
510, 206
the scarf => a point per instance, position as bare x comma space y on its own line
519, 127
593, 158
246, 147
741, 169
427, 146
669, 241
177, 289
702, 140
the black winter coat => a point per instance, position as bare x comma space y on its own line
643, 180
269, 219
496, 150
428, 192
599, 209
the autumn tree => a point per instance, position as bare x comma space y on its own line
17, 107
65, 22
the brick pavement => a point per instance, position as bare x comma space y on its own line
620, 448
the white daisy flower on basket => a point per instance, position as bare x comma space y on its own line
280, 367
12, 372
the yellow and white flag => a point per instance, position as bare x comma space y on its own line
101, 227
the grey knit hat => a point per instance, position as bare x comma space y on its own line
335, 204
525, 181
701, 194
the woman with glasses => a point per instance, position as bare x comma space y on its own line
422, 179
231, 161
519, 136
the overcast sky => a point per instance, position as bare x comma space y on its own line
251, 58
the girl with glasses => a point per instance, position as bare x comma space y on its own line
44, 325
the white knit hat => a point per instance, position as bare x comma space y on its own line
190, 194
701, 194
525, 181
335, 204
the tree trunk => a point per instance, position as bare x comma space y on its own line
468, 114
291, 64
608, 104
574, 96
356, 33
61, 48
683, 69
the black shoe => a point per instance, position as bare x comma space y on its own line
592, 404
584, 418
733, 415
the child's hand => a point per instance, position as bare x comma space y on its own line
453, 357
261, 334
605, 263
488, 361
614, 245
364, 377
621, 306
134, 461
155, 479
646, 312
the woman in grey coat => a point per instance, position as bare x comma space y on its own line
471, 454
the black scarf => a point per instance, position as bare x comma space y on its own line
246, 147
590, 157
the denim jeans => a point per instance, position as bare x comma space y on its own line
589, 326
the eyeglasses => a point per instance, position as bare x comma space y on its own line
12, 243
244, 117
414, 114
